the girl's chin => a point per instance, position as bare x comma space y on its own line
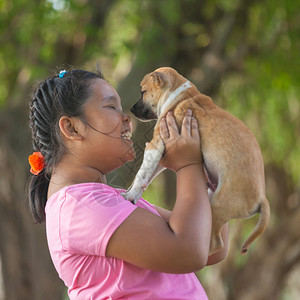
129, 155
128, 152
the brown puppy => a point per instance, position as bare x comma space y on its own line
231, 155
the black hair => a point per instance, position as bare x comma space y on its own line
53, 98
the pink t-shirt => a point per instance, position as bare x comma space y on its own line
80, 219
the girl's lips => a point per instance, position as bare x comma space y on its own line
126, 134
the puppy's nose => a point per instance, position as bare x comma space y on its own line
133, 109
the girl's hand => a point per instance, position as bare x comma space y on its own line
183, 149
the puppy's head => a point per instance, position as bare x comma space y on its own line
155, 87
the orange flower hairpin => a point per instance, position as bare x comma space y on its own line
37, 162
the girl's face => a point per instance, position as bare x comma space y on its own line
107, 143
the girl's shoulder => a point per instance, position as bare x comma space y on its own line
86, 187
92, 191
90, 187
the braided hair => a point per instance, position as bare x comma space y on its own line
53, 98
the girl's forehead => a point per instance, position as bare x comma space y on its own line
103, 91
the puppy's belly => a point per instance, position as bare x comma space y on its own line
234, 161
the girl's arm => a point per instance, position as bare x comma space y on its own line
182, 244
212, 259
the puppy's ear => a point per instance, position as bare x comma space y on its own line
159, 79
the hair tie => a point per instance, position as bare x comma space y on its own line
62, 73
37, 162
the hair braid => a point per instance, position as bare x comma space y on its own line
41, 121
52, 99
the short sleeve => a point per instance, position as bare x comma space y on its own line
89, 216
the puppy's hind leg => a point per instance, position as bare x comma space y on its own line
218, 220
216, 242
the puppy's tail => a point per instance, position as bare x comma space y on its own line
260, 226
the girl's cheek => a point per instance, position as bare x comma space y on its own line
110, 122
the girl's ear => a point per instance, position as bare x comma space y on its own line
71, 128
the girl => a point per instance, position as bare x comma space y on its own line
102, 246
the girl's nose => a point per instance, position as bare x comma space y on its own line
126, 118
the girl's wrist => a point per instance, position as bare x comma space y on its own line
191, 171
189, 165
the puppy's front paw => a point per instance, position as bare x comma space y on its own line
132, 195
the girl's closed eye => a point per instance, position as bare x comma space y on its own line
114, 107
111, 106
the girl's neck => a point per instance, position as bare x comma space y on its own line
64, 175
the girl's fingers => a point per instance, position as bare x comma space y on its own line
172, 126
169, 129
195, 129
186, 124
164, 132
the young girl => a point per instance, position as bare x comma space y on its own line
103, 246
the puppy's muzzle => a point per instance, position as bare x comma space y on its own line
143, 111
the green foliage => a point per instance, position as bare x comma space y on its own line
266, 96
153, 193
36, 37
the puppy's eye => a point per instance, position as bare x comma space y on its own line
111, 106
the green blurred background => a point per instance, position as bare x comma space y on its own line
244, 54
